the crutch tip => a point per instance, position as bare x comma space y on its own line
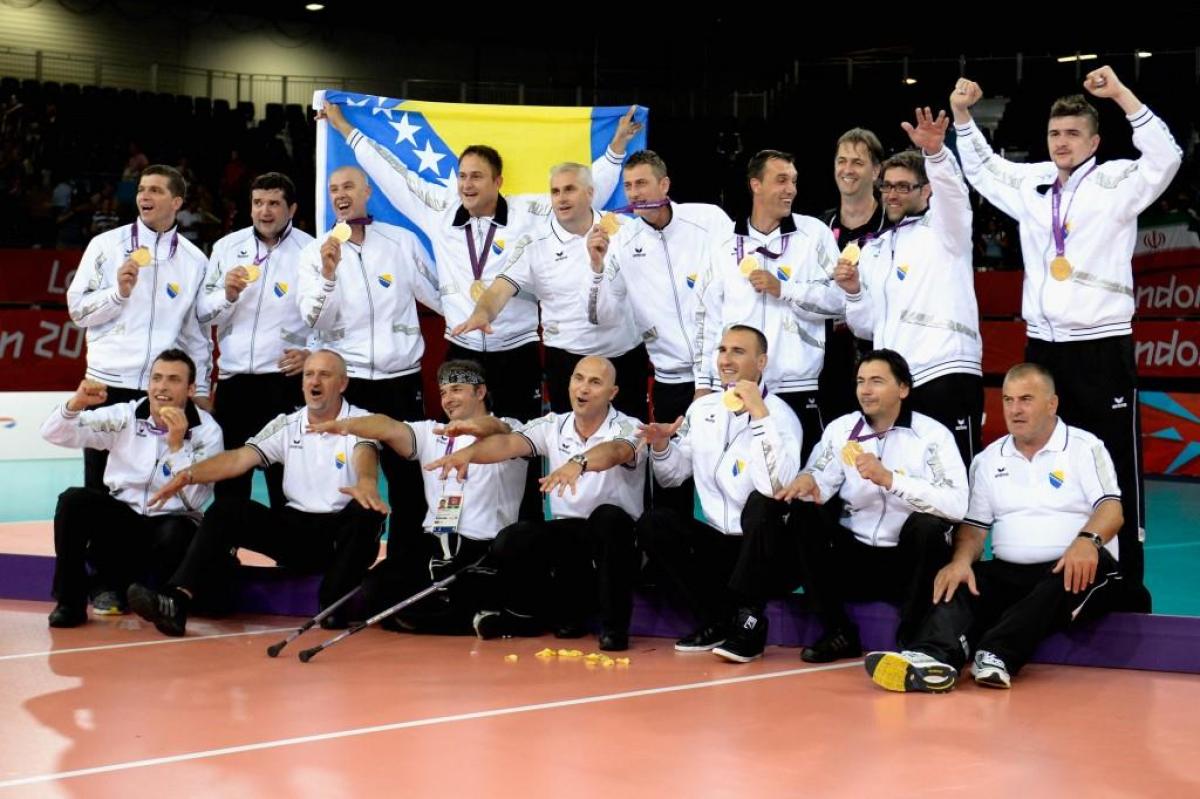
307, 654
274, 649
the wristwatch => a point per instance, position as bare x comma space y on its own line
581, 459
1095, 539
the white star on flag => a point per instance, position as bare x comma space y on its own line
405, 130
357, 103
429, 159
379, 109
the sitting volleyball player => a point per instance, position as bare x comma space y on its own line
554, 572
463, 517
1049, 493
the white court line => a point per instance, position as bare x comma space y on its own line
185, 639
404, 725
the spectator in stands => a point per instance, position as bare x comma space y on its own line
1049, 494
105, 214
332, 521
1078, 227
114, 527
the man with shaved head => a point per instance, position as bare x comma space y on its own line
359, 284
319, 530
554, 573
475, 230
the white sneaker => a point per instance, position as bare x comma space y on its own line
909, 671
990, 670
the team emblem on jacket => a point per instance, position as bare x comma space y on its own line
385, 279
281, 289
497, 246
783, 272
340, 460
691, 280
1057, 477
739, 466
902, 271
166, 470
172, 290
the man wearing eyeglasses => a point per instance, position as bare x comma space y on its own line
913, 288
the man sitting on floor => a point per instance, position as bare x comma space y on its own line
320, 528
1049, 493
123, 536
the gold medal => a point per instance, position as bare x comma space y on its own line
850, 452
732, 401
1060, 268
610, 223
341, 231
851, 253
253, 273
141, 257
477, 289
748, 265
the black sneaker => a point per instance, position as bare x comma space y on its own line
833, 646
746, 640
613, 641
165, 611
703, 640
68, 616
491, 624
909, 671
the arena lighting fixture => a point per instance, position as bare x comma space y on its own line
909, 81
1067, 59
1144, 54
315, 7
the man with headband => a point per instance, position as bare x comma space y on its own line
553, 573
463, 517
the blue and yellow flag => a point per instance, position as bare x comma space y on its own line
427, 138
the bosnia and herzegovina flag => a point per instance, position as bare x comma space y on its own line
427, 138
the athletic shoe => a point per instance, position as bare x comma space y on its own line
746, 640
990, 670
833, 646
703, 640
910, 671
166, 611
108, 603
68, 616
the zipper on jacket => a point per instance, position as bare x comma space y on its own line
362, 266
675, 294
153, 306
